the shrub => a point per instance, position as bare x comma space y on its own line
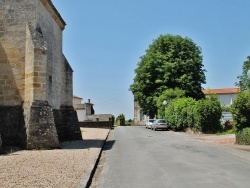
241, 116
241, 111
170, 115
243, 136
113, 120
181, 113
120, 119
207, 113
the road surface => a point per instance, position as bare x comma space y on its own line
136, 157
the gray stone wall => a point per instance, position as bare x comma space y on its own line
67, 124
34, 75
41, 129
12, 126
97, 124
0, 143
40, 17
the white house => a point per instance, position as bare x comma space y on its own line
225, 95
83, 110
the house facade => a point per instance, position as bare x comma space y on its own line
84, 110
139, 117
35, 77
88, 118
226, 96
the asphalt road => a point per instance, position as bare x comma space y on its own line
136, 157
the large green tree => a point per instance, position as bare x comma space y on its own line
244, 81
170, 62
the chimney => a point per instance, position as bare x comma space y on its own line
89, 100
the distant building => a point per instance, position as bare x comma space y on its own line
225, 95
139, 117
83, 110
87, 117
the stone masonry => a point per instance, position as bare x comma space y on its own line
35, 77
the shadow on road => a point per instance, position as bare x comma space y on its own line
82, 144
109, 145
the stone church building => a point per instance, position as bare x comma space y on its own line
36, 90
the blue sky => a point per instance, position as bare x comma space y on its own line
103, 41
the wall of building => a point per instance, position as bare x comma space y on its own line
12, 49
77, 100
227, 99
59, 72
81, 114
34, 74
20, 24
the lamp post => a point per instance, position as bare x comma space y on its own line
164, 103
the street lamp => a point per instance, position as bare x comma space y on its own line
164, 103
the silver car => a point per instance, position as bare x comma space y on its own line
159, 124
149, 123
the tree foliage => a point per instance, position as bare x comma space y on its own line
170, 62
200, 116
168, 95
241, 116
207, 114
241, 111
121, 119
244, 82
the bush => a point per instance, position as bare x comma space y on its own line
200, 116
243, 136
241, 111
177, 113
113, 120
120, 120
207, 113
241, 116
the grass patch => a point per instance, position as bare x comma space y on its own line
231, 131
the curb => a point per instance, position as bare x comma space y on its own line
86, 179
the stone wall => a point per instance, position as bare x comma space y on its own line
67, 124
41, 129
34, 74
12, 126
32, 62
97, 124
13, 15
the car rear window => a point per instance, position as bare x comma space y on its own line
162, 121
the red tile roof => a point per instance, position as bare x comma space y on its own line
221, 91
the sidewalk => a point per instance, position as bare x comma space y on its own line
101, 136
228, 140
68, 167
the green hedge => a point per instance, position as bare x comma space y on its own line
207, 113
201, 116
241, 116
243, 136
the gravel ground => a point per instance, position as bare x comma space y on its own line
53, 168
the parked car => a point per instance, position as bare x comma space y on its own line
159, 124
149, 123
